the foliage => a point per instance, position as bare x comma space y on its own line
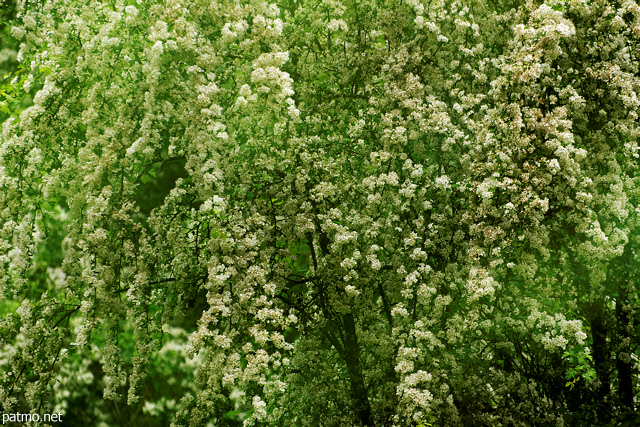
8, 61
360, 213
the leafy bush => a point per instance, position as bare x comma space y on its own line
322, 212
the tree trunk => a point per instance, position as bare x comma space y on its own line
352, 358
625, 379
623, 364
601, 355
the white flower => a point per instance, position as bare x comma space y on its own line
443, 182
554, 166
18, 32
131, 10
337, 24
351, 291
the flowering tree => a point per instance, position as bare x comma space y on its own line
378, 213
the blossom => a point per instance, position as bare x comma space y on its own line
402, 219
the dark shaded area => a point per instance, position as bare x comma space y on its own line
151, 194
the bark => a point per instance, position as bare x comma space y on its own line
623, 364
354, 368
625, 379
601, 356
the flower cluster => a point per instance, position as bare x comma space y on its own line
365, 214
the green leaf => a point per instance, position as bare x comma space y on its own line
45, 206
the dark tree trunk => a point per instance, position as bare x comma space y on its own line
352, 358
625, 379
601, 356
623, 364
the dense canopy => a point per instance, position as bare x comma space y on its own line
322, 212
